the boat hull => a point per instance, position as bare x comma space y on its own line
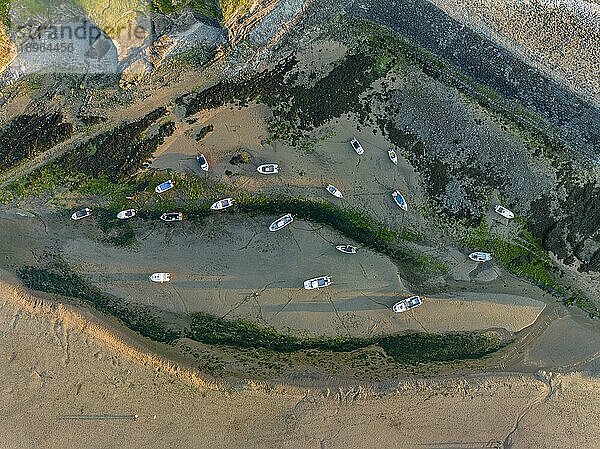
407, 304
222, 204
356, 146
399, 200
480, 256
393, 156
170, 217
80, 214
281, 223
125, 214
334, 191
268, 169
504, 212
315, 283
160, 278
347, 249
163, 187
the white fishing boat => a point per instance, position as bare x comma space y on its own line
268, 169
281, 222
334, 191
202, 161
480, 256
347, 249
78, 215
223, 204
407, 304
393, 156
171, 216
500, 210
160, 277
164, 186
399, 200
356, 146
125, 214
320, 282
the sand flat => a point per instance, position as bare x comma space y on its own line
238, 269
52, 367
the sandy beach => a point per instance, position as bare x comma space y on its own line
65, 382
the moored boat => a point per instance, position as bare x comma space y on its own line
171, 216
480, 256
268, 169
407, 304
356, 146
334, 191
222, 204
125, 214
399, 200
202, 161
347, 249
160, 277
78, 215
319, 282
281, 222
164, 186
501, 210
393, 156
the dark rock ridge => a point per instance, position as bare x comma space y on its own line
28, 135
426, 25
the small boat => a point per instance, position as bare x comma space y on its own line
356, 146
164, 186
320, 282
222, 204
125, 214
268, 169
407, 304
160, 277
171, 216
399, 199
347, 249
479, 256
86, 212
504, 212
393, 156
202, 161
334, 191
281, 223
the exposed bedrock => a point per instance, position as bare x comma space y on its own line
546, 85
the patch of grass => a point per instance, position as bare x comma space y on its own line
525, 257
409, 235
242, 333
207, 8
4, 12
231, 8
411, 348
44, 181
416, 348
579, 299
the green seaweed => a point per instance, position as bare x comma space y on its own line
407, 349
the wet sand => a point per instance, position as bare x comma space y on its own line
232, 266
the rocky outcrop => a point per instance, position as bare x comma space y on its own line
558, 37
8, 51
